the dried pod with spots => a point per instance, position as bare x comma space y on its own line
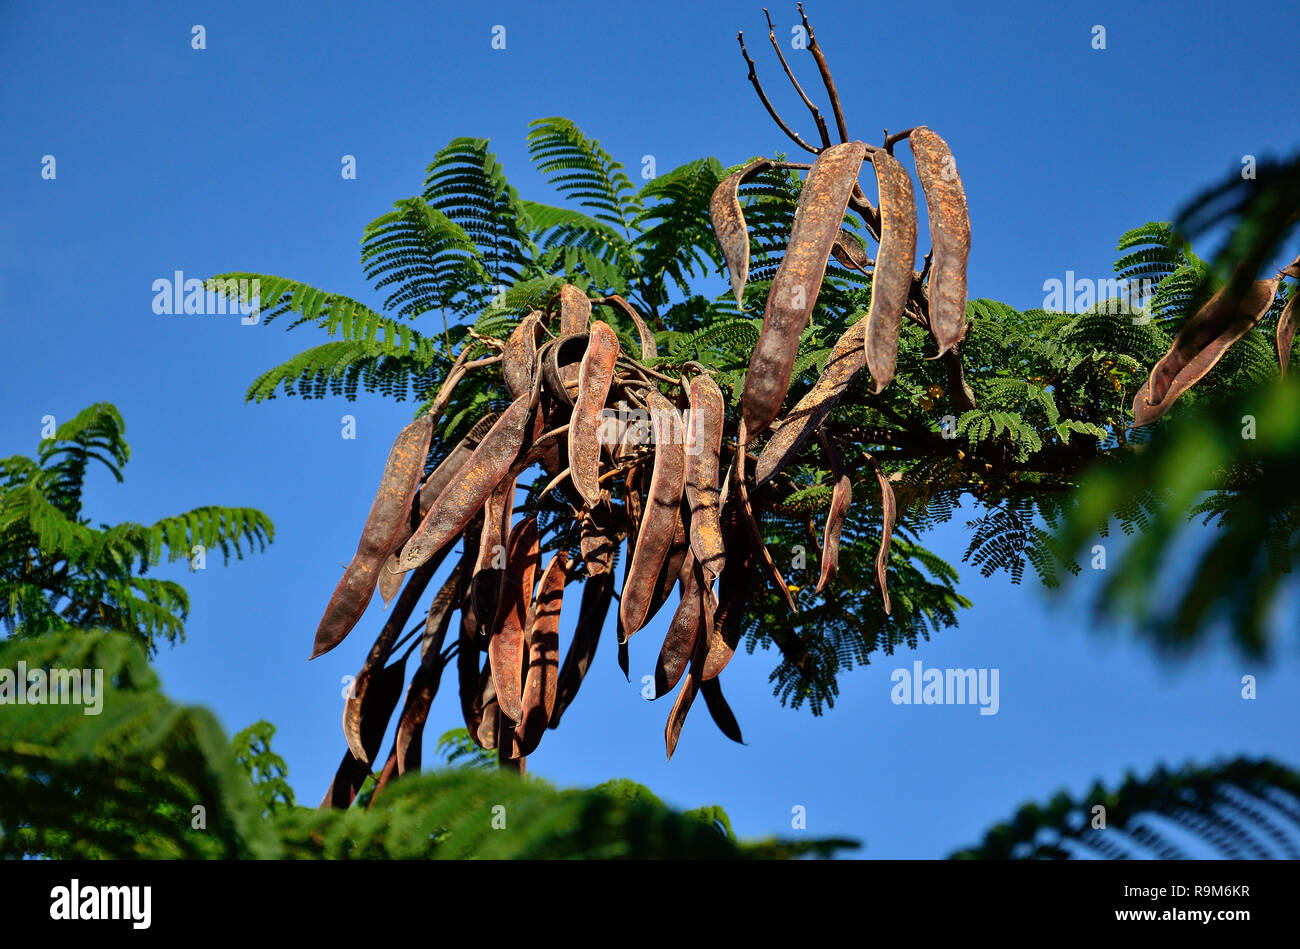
520, 355
662, 516
1187, 371
506, 645
892, 283
541, 678
849, 252
847, 357
889, 517
945, 201
375, 713
798, 281
841, 498
733, 591
594, 377
465, 495
684, 630
729, 225
388, 512
597, 595
428, 675
685, 696
703, 444
575, 311
490, 564
597, 540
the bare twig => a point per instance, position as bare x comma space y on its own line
816, 113
758, 87
827, 81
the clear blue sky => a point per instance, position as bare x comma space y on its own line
228, 159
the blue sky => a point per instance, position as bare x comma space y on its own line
170, 158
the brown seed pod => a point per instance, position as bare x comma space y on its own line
387, 513
594, 378
376, 712
575, 311
560, 360
1286, 327
798, 280
648, 348
846, 358
755, 531
543, 658
520, 355
428, 675
733, 589
662, 516
720, 711
490, 564
841, 498
703, 443
490, 723
677, 717
892, 282
945, 201
1250, 311
597, 595
464, 496
684, 630
1226, 312
506, 645
849, 252
678, 549
596, 537
889, 515
729, 225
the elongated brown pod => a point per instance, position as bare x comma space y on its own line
848, 251
892, 282
506, 646
597, 595
1251, 310
575, 310
648, 348
541, 678
465, 495
381, 650
841, 498
945, 201
1224, 313
678, 549
389, 509
703, 444
520, 355
720, 710
375, 713
798, 280
747, 516
490, 563
677, 717
889, 517
596, 537
1286, 327
428, 675
490, 723
729, 225
733, 589
684, 630
594, 378
847, 357
662, 514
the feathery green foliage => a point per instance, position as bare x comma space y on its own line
58, 571
1238, 809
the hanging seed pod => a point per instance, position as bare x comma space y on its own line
662, 516
597, 540
751, 522
677, 717
678, 549
648, 348
490, 723
733, 588
540, 681
849, 252
1187, 373
376, 712
506, 646
1286, 327
597, 595
428, 675
465, 495
490, 564
684, 630
841, 498
945, 201
889, 516
391, 506
798, 280
846, 358
720, 711
892, 283
1225, 312
520, 355
729, 225
703, 443
469, 677
575, 311
560, 360
594, 378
